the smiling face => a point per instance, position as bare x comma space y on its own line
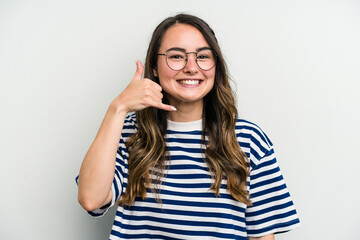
191, 84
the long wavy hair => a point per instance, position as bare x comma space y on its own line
223, 155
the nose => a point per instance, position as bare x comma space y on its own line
191, 65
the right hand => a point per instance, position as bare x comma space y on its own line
141, 93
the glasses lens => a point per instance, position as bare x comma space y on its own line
176, 60
206, 59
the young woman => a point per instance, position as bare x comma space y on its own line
172, 153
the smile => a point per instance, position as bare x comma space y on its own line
190, 82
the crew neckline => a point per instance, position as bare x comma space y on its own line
185, 126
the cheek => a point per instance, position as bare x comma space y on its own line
164, 77
165, 73
211, 75
161, 68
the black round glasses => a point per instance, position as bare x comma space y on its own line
176, 59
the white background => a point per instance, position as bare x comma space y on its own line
296, 68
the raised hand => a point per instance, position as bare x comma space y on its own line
97, 171
141, 93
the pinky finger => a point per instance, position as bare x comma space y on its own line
164, 106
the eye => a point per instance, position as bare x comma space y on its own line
176, 55
203, 56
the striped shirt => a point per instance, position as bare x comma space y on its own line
188, 209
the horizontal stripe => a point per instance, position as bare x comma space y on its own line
268, 181
268, 190
271, 199
182, 222
187, 167
186, 141
278, 227
185, 157
202, 205
189, 150
269, 209
195, 195
188, 176
184, 232
142, 236
239, 223
278, 216
182, 213
265, 174
191, 185
188, 208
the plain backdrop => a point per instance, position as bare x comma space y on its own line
295, 68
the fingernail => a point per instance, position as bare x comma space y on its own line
173, 108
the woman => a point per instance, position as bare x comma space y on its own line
186, 167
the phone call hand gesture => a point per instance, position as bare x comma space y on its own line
141, 93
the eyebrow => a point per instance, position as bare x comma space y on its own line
184, 50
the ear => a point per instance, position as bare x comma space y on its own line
155, 72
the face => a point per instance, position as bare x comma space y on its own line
191, 84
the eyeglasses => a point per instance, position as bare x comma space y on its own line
177, 59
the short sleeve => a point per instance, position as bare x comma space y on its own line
272, 209
120, 172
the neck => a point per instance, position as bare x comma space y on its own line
186, 112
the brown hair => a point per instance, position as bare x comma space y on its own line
223, 155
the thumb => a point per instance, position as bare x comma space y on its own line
139, 70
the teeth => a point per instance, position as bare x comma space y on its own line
190, 82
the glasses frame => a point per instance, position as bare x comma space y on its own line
186, 59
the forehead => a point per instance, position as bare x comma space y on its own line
183, 36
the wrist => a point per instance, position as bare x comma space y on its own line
117, 109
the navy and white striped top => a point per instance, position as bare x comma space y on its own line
188, 209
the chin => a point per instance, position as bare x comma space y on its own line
190, 100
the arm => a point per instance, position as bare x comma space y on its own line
97, 170
98, 167
267, 237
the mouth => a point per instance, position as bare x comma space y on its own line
190, 82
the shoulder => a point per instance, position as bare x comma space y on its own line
130, 125
245, 126
259, 143
130, 120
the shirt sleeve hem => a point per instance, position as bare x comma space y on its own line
276, 229
104, 209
